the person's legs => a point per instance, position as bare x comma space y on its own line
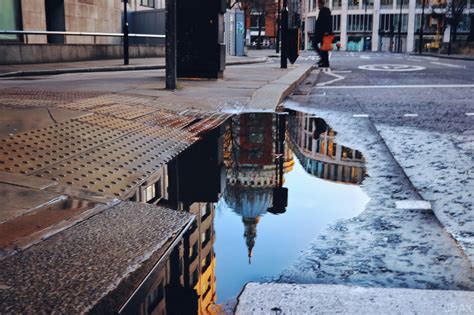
319, 52
324, 58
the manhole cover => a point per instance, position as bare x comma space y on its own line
391, 67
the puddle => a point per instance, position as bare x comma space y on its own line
261, 186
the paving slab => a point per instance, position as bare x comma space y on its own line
271, 298
70, 272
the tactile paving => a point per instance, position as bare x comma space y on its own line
124, 111
31, 151
41, 98
110, 181
111, 122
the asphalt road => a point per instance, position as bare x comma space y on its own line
439, 91
421, 109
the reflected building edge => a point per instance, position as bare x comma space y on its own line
184, 281
256, 160
312, 141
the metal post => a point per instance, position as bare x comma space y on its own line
171, 57
399, 48
278, 27
125, 33
365, 24
284, 36
422, 25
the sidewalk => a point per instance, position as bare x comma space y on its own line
75, 147
112, 65
280, 298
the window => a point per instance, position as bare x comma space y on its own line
155, 297
359, 22
148, 3
336, 23
10, 17
389, 22
386, 3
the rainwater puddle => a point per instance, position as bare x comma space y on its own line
262, 187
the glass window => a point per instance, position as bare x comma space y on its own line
148, 3
10, 17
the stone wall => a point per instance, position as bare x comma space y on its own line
93, 16
34, 18
39, 53
80, 16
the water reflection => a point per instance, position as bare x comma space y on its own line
256, 160
256, 207
312, 140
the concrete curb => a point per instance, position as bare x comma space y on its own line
282, 298
445, 56
112, 68
272, 94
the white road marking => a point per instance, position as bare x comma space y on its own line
391, 67
448, 65
360, 115
422, 86
469, 114
413, 205
410, 115
337, 78
364, 57
342, 71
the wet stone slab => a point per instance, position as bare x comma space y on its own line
70, 272
442, 168
271, 298
384, 246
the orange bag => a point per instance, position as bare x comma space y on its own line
326, 45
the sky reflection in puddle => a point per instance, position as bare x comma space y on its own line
253, 244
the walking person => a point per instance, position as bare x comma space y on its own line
322, 27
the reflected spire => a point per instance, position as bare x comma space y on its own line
250, 234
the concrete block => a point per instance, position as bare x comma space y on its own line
282, 298
31, 53
51, 53
68, 53
10, 54
100, 51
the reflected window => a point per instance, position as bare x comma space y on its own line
256, 137
155, 297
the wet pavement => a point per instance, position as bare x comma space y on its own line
384, 246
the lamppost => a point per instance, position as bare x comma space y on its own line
399, 48
365, 23
278, 27
422, 26
171, 52
125, 33
284, 36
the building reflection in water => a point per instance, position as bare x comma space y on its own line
242, 164
312, 141
184, 281
256, 160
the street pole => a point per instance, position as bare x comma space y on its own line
284, 36
171, 57
422, 26
365, 24
125, 33
278, 27
399, 49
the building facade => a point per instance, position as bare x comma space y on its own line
374, 24
68, 15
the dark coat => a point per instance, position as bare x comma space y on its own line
323, 24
